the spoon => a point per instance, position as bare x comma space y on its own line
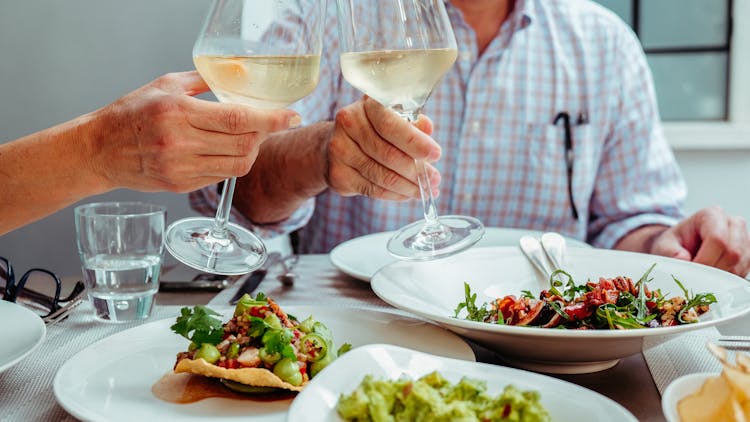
554, 247
287, 277
532, 248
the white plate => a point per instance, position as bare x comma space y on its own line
679, 389
22, 331
111, 380
362, 257
433, 289
566, 402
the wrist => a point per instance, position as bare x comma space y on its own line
289, 170
323, 139
641, 239
303, 154
91, 134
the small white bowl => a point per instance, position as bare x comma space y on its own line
679, 389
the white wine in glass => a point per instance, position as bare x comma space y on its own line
396, 52
401, 79
260, 53
259, 81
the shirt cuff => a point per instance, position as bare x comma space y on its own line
613, 232
206, 200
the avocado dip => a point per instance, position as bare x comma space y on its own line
433, 398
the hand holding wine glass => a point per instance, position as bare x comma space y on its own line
398, 61
264, 54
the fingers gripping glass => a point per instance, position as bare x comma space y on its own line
264, 54
396, 52
30, 289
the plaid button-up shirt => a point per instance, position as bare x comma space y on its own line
504, 161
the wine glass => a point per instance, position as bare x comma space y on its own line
264, 54
396, 52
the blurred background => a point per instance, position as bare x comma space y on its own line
64, 59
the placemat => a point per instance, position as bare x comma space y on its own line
27, 387
672, 357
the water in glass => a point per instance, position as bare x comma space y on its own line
122, 288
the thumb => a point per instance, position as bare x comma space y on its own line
669, 245
189, 83
424, 124
681, 253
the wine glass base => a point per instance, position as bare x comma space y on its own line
418, 242
238, 252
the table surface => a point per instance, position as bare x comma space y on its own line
629, 382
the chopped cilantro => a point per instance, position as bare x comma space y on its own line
199, 325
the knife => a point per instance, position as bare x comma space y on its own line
208, 285
255, 278
182, 281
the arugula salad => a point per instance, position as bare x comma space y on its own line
610, 303
260, 346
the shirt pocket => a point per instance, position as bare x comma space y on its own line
547, 157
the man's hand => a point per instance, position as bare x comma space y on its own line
372, 151
710, 237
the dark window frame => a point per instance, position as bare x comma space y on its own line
725, 48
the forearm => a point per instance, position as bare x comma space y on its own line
290, 169
640, 239
46, 171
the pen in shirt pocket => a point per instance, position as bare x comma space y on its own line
581, 119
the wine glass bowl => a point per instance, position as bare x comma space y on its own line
260, 53
396, 52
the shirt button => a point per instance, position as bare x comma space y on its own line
467, 197
476, 127
466, 55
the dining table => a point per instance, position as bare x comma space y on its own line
636, 382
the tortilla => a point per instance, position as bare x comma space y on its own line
725, 397
711, 403
259, 377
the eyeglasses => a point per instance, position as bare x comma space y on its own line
31, 287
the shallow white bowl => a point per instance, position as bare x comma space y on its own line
565, 401
433, 289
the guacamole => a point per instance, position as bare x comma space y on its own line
433, 398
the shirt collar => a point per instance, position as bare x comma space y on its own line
523, 12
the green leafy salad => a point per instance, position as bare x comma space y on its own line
433, 398
610, 303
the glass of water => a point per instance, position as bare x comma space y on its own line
121, 245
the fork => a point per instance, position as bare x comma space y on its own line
287, 277
63, 312
734, 342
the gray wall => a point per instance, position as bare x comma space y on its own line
60, 59
717, 178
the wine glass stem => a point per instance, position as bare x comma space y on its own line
219, 229
428, 201
432, 224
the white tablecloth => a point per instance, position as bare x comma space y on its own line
26, 389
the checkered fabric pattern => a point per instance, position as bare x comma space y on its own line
503, 158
